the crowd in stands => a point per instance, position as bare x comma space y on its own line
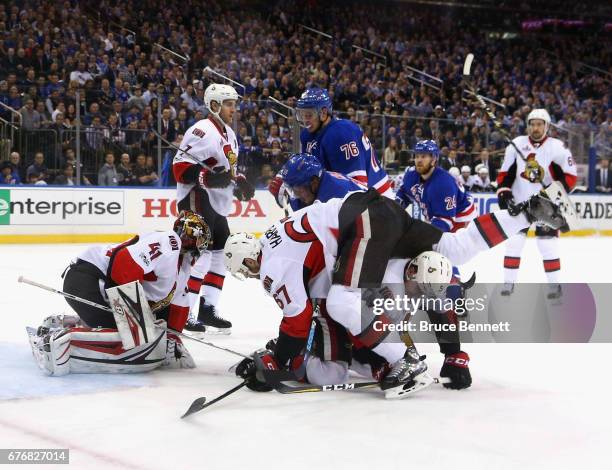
116, 56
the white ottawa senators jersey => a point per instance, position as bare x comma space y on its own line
152, 259
216, 148
547, 161
294, 269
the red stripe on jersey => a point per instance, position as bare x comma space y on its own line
551, 265
314, 261
384, 187
353, 253
468, 211
371, 337
214, 280
489, 228
512, 262
222, 131
179, 169
177, 317
363, 179
500, 177
458, 225
570, 180
151, 277
299, 325
108, 347
125, 269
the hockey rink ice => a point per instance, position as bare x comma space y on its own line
533, 406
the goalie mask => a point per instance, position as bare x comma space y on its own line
193, 232
432, 272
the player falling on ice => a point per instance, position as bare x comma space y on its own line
443, 202
331, 250
144, 281
339, 144
205, 170
547, 160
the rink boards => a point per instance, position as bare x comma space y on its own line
81, 215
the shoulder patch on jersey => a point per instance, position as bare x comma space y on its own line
199, 133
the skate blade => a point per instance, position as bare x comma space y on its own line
418, 383
211, 330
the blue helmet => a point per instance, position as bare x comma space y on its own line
316, 98
427, 146
300, 168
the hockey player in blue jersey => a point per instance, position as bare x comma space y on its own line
443, 202
306, 181
339, 144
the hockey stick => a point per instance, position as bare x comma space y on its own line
469, 82
200, 403
278, 379
65, 294
108, 309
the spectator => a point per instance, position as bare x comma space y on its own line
391, 155
38, 166
36, 179
30, 119
17, 167
124, 171
137, 100
66, 178
483, 160
81, 74
143, 175
107, 176
452, 160
266, 176
603, 177
6, 174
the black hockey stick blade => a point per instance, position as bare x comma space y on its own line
197, 405
470, 282
200, 403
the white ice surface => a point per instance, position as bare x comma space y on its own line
530, 407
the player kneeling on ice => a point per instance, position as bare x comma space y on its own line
132, 302
331, 250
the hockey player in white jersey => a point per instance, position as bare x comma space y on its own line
331, 250
546, 160
205, 170
142, 279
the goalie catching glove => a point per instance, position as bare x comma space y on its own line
250, 369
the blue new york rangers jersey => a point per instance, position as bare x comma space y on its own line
441, 200
332, 185
341, 146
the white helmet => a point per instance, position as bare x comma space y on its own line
238, 247
482, 170
466, 169
218, 92
453, 170
539, 113
432, 272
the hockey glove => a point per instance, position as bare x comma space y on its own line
214, 179
247, 370
456, 368
506, 200
244, 191
277, 189
177, 356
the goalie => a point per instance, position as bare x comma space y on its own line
141, 287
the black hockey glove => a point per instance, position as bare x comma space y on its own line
214, 179
505, 198
456, 368
247, 370
244, 191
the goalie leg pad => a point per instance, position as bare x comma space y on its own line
94, 351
